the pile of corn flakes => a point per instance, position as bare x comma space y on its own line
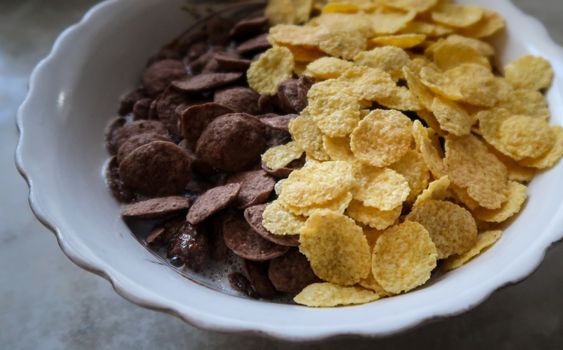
416, 148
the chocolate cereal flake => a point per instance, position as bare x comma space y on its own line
121, 135
115, 184
249, 27
212, 201
257, 274
196, 118
291, 272
256, 187
292, 95
160, 74
155, 208
239, 99
254, 45
253, 216
190, 246
204, 82
137, 141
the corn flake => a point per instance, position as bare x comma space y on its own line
459, 16
452, 228
280, 156
338, 148
426, 28
471, 166
381, 188
484, 241
273, 67
381, 138
330, 295
327, 68
342, 44
531, 103
529, 72
424, 96
525, 137
404, 41
489, 24
517, 194
413, 167
279, 221
448, 55
550, 158
337, 205
428, 145
389, 59
336, 248
373, 217
307, 135
288, 11
403, 257
407, 5
437, 190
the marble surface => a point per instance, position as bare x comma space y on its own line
46, 302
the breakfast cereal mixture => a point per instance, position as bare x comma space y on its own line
341, 150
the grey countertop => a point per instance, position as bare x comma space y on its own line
46, 302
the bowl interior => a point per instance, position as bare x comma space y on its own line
77, 92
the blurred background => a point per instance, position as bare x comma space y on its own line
46, 302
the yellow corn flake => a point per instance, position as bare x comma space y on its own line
476, 84
404, 41
407, 5
452, 117
403, 257
531, 103
340, 7
371, 284
459, 16
448, 55
424, 96
452, 228
373, 217
389, 59
370, 84
428, 145
327, 68
489, 24
381, 138
438, 83
288, 11
342, 44
516, 172
307, 135
517, 194
390, 22
273, 67
529, 72
471, 166
415, 170
280, 156
428, 29
525, 137
381, 188
279, 221
338, 148
460, 196
299, 68
550, 158
484, 241
437, 190
289, 34
337, 205
372, 235
317, 183
431, 121
399, 98
360, 23
336, 248
330, 295
481, 46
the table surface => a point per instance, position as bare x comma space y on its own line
46, 302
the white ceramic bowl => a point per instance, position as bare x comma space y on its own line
74, 92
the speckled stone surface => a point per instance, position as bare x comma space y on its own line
46, 302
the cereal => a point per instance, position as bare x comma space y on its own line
389, 59
291, 272
381, 138
329, 295
195, 119
455, 15
327, 68
391, 22
288, 11
342, 44
449, 55
427, 145
337, 205
317, 183
517, 194
292, 95
452, 228
437, 190
156, 208
526, 102
424, 96
279, 221
403, 257
550, 158
160, 74
137, 141
280, 156
452, 117
242, 240
336, 247
307, 135
208, 81
238, 99
293, 35
489, 24
370, 84
400, 98
426, 28
404, 41
417, 5
471, 166
525, 137
212, 201
373, 217
253, 45
256, 187
273, 67
381, 188
414, 169
530, 72
338, 148
484, 241
253, 216
257, 274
